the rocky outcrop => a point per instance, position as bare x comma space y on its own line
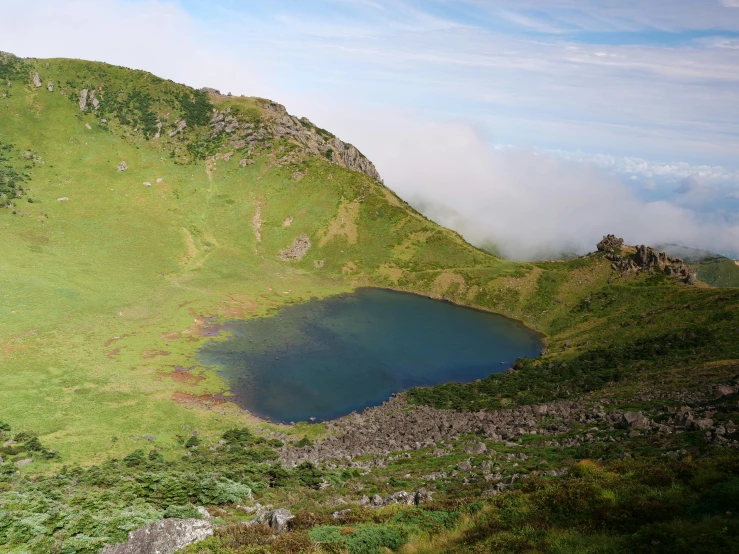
278, 520
297, 251
276, 123
644, 260
36, 80
348, 156
163, 537
88, 97
610, 243
181, 126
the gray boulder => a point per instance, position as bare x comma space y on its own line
163, 537
277, 519
83, 100
421, 496
724, 390
635, 420
36, 80
702, 424
401, 497
50, 86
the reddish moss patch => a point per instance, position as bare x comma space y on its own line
203, 400
183, 377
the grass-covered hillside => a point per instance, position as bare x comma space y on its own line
137, 211
108, 275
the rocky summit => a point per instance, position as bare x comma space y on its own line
644, 259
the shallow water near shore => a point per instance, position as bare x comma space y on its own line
327, 358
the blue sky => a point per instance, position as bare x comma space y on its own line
636, 101
654, 79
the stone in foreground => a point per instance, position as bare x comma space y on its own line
278, 519
163, 537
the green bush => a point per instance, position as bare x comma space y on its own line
183, 512
362, 539
192, 442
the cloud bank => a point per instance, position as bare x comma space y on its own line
530, 204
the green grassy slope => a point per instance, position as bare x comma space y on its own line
718, 272
103, 293
106, 285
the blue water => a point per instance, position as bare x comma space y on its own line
327, 358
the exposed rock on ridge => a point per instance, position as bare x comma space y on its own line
645, 259
277, 123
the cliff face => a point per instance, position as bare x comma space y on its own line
277, 123
317, 141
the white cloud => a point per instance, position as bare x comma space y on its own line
714, 177
531, 203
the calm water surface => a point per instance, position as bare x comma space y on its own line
327, 358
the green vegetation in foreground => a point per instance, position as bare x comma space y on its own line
106, 283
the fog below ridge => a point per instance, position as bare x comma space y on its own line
528, 203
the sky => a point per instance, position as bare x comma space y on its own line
534, 125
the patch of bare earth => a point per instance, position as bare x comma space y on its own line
148, 354
344, 224
183, 377
298, 250
449, 283
391, 272
256, 222
202, 401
